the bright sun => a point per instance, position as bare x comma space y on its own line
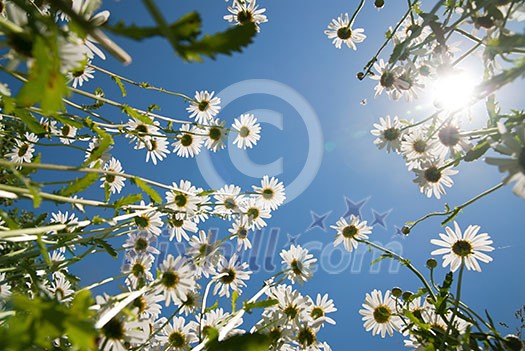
453, 91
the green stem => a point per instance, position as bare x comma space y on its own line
361, 4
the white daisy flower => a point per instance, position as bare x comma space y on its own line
61, 288
227, 200
255, 212
5, 288
120, 333
467, 247
218, 319
150, 221
240, 230
50, 126
273, 324
387, 77
407, 84
388, 133
141, 132
183, 198
189, 142
248, 131
138, 269
451, 142
245, 12
141, 242
215, 135
306, 336
204, 255
230, 275
178, 224
65, 218
378, 313
432, 180
178, 336
67, 134
23, 151
175, 280
513, 146
340, 30
270, 193
204, 106
115, 183
417, 147
92, 147
146, 307
192, 303
299, 264
80, 75
157, 149
291, 303
349, 232
321, 307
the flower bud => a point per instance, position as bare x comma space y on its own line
379, 3
513, 343
431, 263
360, 76
405, 230
407, 295
397, 292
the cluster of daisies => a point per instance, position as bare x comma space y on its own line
385, 313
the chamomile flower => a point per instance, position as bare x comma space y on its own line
451, 142
80, 74
138, 269
513, 146
50, 126
319, 308
227, 200
379, 313
149, 221
246, 12
248, 131
432, 179
23, 151
349, 232
270, 193
189, 142
290, 303
120, 333
5, 288
178, 224
178, 336
67, 134
100, 160
192, 302
215, 135
417, 147
387, 77
240, 230
182, 198
157, 149
141, 132
467, 247
217, 319
61, 288
204, 106
231, 274
204, 254
146, 306
388, 133
298, 264
407, 84
255, 212
141, 242
340, 30
114, 182
175, 280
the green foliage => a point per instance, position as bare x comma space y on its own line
248, 306
130, 111
40, 320
46, 84
127, 200
80, 184
245, 342
154, 196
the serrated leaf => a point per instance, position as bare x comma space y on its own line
120, 85
46, 84
235, 296
80, 184
212, 307
109, 249
154, 196
248, 306
30, 121
477, 151
127, 200
227, 42
105, 141
381, 258
130, 111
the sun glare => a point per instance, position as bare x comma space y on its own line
453, 91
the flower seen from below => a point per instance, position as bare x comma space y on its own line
340, 30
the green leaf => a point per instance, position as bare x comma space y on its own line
30, 121
477, 151
248, 306
235, 296
381, 258
212, 307
127, 200
227, 42
46, 84
80, 184
154, 196
120, 85
130, 111
105, 141
244, 342
109, 249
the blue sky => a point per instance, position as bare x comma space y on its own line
292, 52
